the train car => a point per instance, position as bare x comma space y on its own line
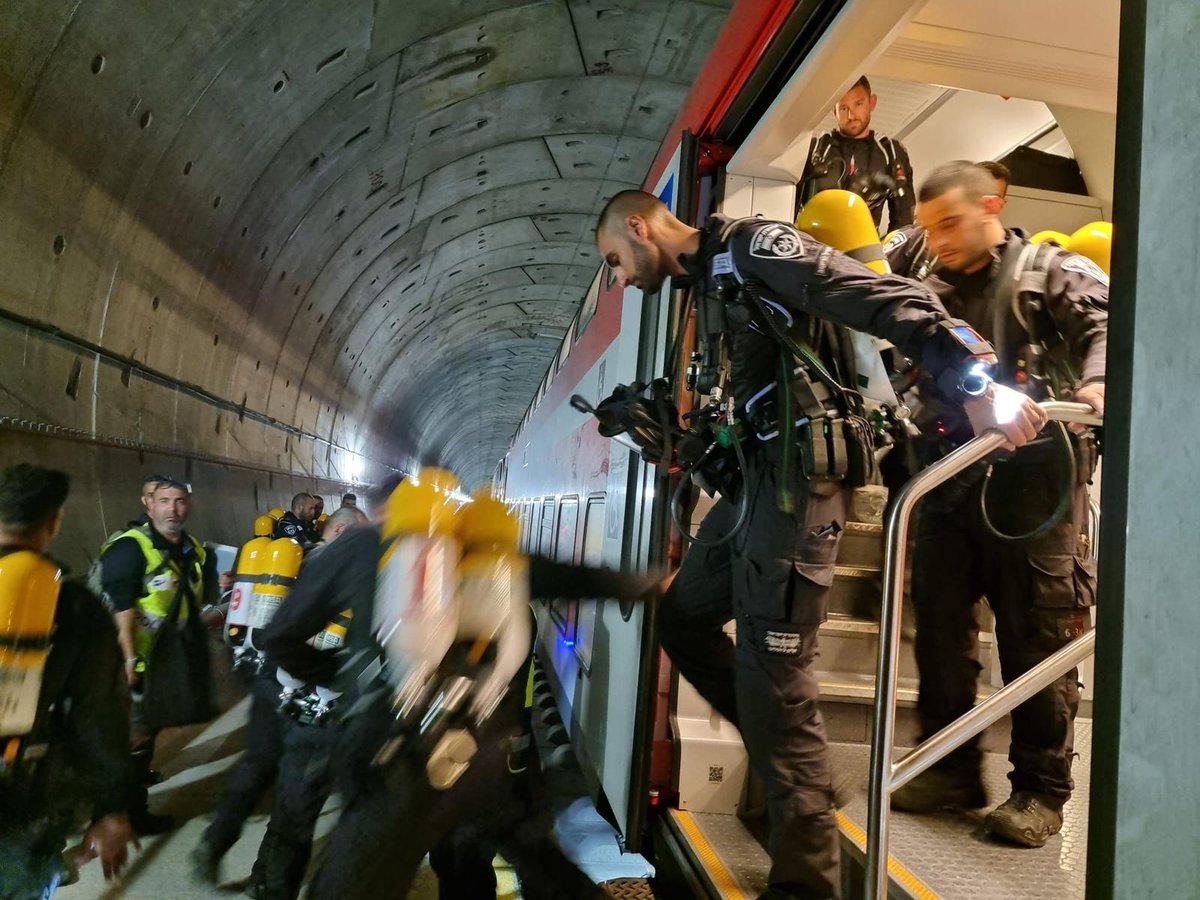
1027, 82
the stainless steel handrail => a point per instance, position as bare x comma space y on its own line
885, 775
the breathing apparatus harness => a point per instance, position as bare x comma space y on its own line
835, 439
1037, 370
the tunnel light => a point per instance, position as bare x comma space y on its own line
354, 468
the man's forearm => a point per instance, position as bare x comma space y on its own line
125, 633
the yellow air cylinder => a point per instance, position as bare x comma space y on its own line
281, 565
1093, 240
319, 524
493, 597
276, 513
1052, 237
29, 586
843, 220
263, 526
248, 570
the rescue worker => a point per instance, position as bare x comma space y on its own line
78, 748
256, 770
305, 763
393, 806
296, 522
774, 576
313, 533
349, 500
1000, 178
1040, 589
147, 573
854, 158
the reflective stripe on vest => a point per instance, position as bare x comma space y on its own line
161, 583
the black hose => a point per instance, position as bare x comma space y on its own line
1064, 496
743, 502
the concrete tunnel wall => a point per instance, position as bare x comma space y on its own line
325, 240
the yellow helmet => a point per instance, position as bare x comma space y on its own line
1093, 240
843, 220
419, 507
486, 521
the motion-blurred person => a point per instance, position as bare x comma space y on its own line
304, 753
157, 578
64, 730
1000, 177
854, 158
394, 805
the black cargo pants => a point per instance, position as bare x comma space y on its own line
1039, 591
306, 775
256, 770
773, 579
393, 817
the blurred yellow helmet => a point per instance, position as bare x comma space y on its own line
1050, 236
1093, 240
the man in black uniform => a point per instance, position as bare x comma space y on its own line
393, 816
1050, 334
296, 522
774, 576
79, 746
852, 157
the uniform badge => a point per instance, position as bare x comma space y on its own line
776, 241
894, 242
722, 264
1084, 266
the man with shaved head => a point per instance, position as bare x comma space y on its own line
1046, 311
773, 285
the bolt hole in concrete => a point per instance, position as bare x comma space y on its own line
98, 63
60, 244
216, 201
154, 303
147, 118
216, 339
279, 86
187, 167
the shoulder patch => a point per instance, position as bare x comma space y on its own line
894, 242
776, 240
1084, 266
722, 264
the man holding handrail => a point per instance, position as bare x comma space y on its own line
1012, 530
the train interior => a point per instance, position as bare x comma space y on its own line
1036, 89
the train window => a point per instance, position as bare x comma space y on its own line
564, 611
592, 298
592, 555
546, 532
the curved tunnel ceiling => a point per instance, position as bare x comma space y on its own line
368, 220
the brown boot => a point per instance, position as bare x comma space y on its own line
1026, 819
938, 789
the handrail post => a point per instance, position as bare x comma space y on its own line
880, 783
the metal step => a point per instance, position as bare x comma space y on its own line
851, 644
847, 706
944, 855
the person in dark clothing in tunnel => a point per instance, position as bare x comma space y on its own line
393, 815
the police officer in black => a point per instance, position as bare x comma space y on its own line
854, 158
1046, 313
297, 521
78, 748
393, 816
774, 576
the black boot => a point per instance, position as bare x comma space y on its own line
144, 822
937, 789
